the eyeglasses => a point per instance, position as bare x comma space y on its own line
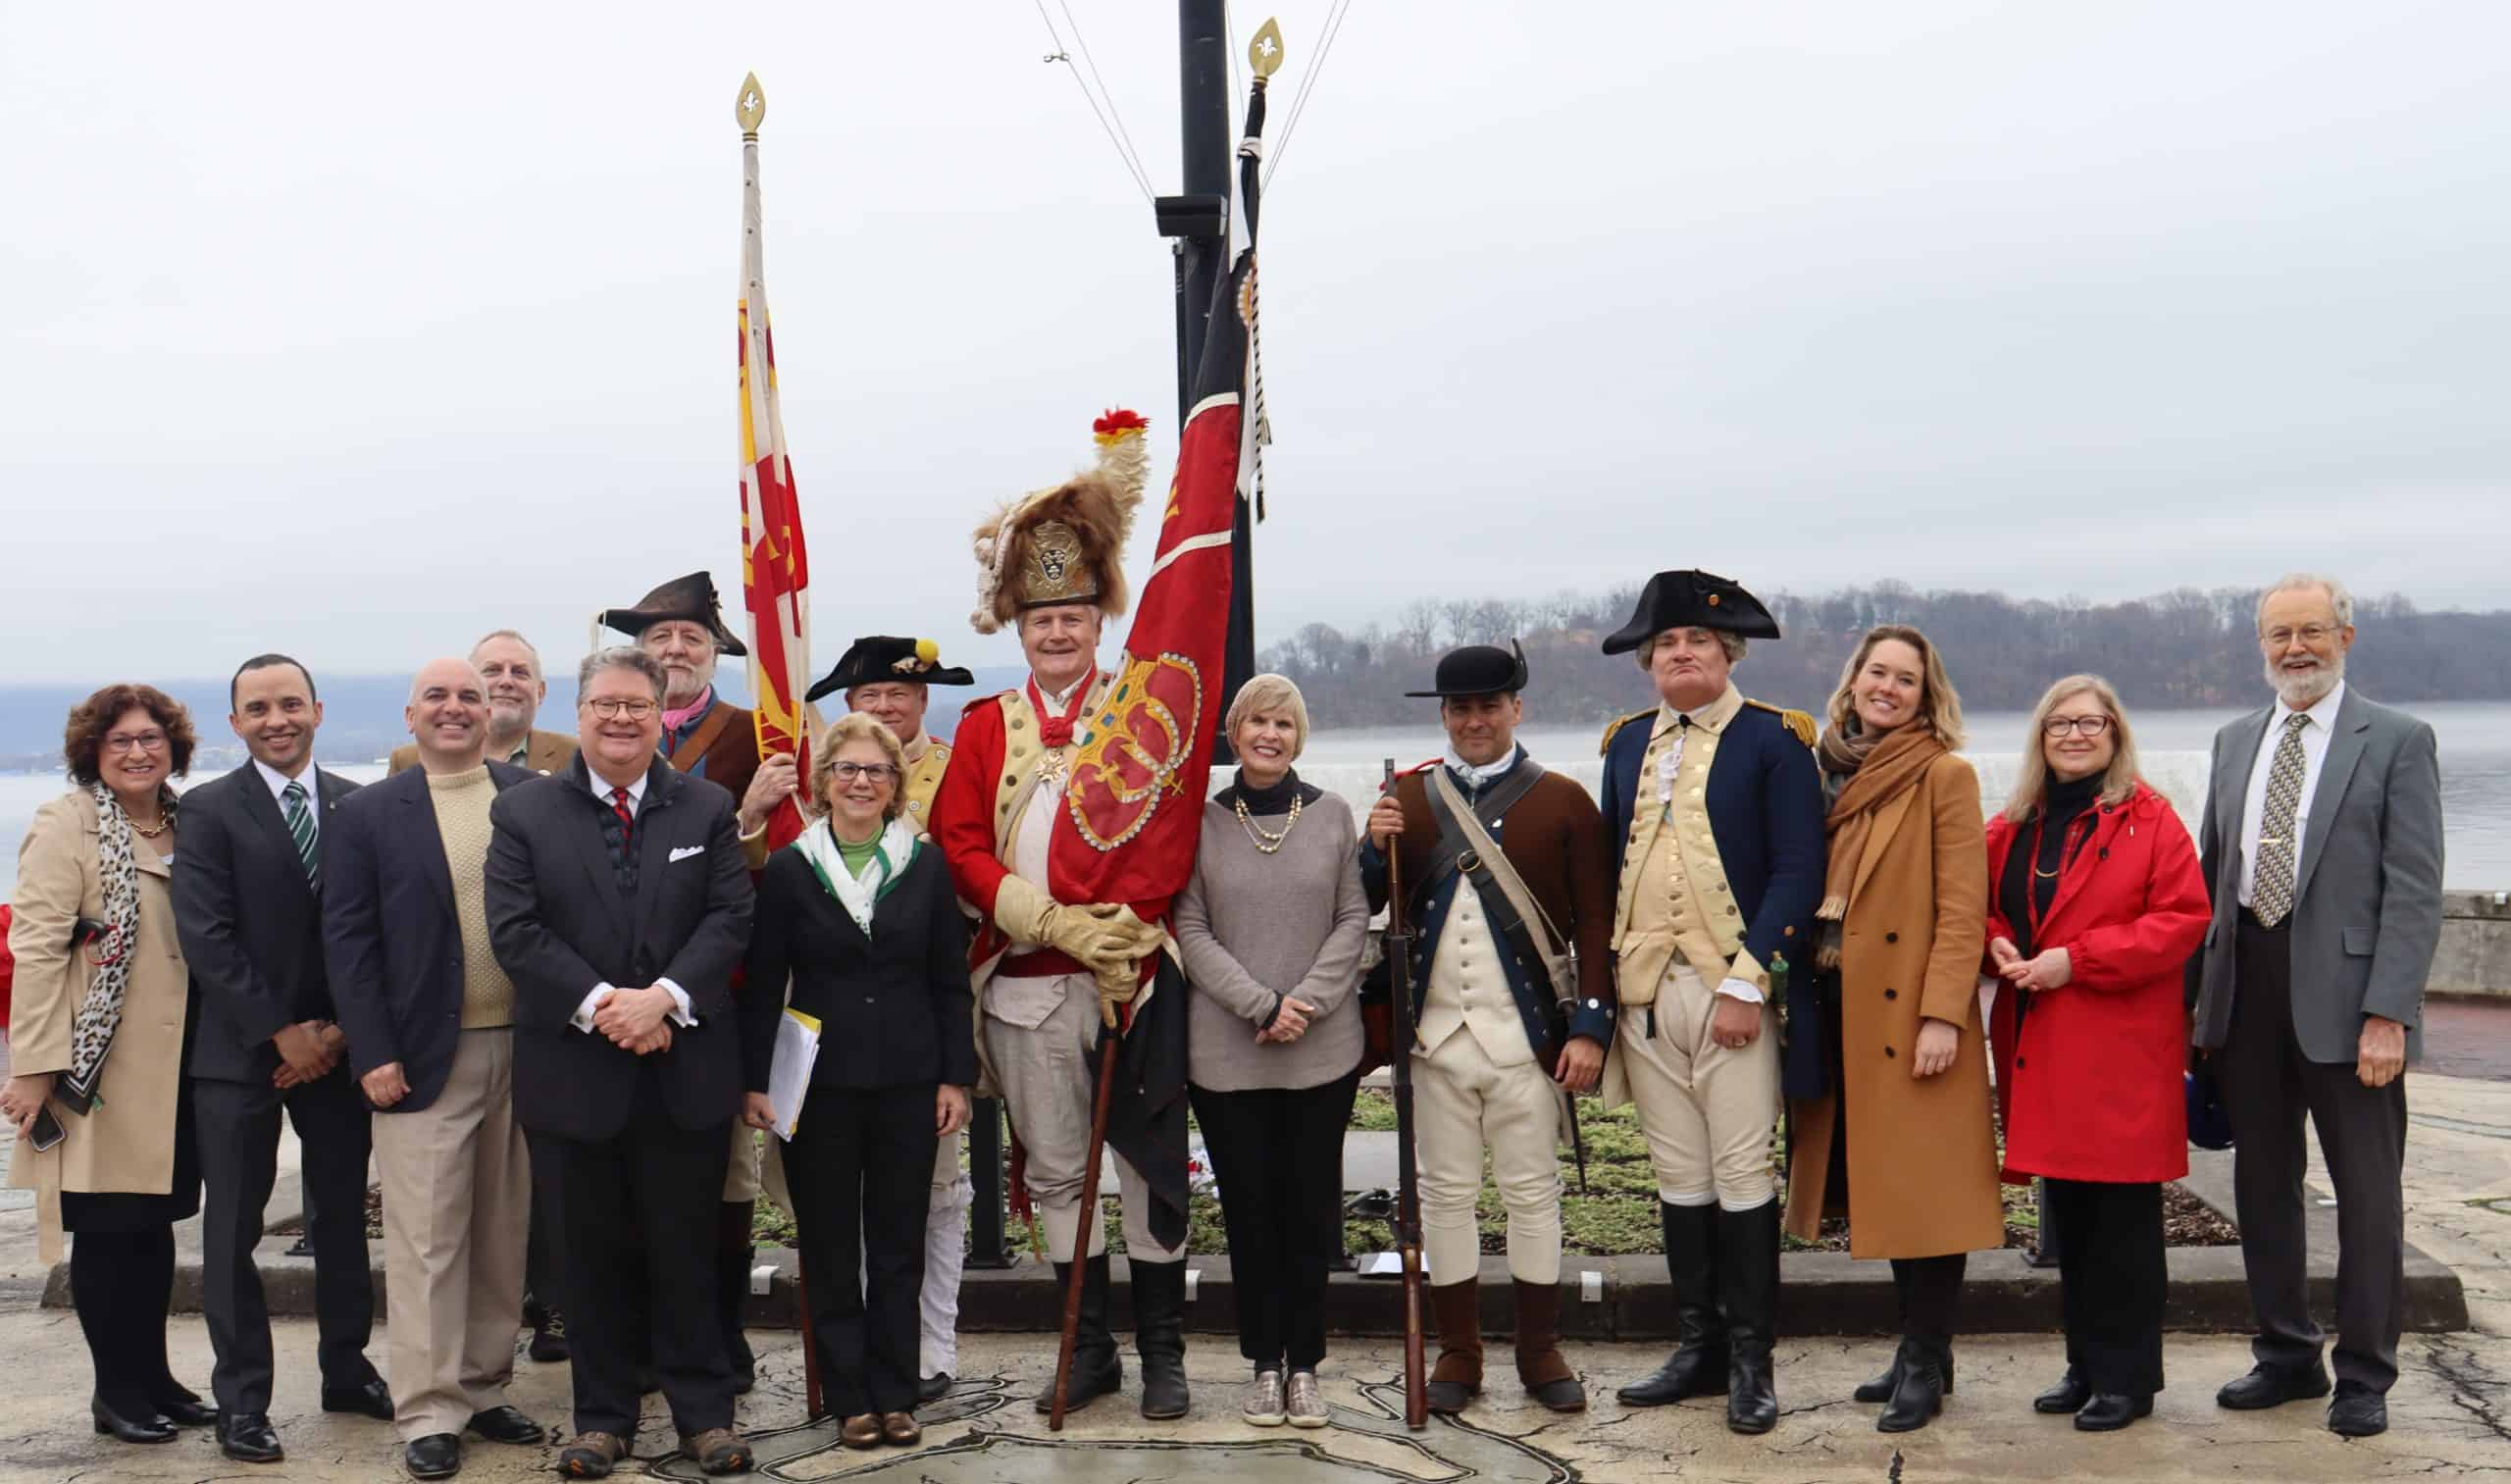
877, 773
2090, 726
613, 708
2312, 635
135, 742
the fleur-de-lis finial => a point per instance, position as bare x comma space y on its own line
1265, 53
751, 106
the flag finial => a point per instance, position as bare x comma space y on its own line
1265, 53
751, 106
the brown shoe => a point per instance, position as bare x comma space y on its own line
592, 1454
1547, 1376
718, 1450
899, 1430
862, 1430
1456, 1377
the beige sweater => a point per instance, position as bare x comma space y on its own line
461, 801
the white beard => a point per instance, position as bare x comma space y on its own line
2302, 691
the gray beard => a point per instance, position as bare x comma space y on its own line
2305, 691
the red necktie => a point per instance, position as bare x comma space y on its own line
1057, 731
627, 815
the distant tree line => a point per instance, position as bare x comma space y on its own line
2182, 648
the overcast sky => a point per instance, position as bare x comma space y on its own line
354, 332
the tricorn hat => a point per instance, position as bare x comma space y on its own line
1478, 670
1065, 543
1692, 599
887, 657
691, 599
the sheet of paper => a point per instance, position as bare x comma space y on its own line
788, 1075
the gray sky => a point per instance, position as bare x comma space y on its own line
354, 333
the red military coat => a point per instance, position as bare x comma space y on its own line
2092, 1086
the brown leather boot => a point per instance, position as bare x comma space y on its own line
1456, 1377
1547, 1376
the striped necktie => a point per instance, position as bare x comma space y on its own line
2271, 890
300, 828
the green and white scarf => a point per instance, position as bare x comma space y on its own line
896, 848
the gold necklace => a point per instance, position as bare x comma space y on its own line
1265, 841
145, 832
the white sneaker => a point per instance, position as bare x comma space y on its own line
1307, 1405
1263, 1405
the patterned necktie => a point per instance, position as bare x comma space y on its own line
620, 806
300, 828
2271, 891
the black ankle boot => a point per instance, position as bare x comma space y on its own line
1921, 1394
734, 1252
1095, 1370
1748, 1292
1697, 1365
1160, 1337
1880, 1389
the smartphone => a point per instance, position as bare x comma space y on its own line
48, 1130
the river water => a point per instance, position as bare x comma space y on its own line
2474, 739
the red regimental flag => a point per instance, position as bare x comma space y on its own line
775, 573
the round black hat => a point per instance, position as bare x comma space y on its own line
1478, 670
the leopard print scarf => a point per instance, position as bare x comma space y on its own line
91, 1033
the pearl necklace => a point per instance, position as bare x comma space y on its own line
1265, 841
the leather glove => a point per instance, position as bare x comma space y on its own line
1116, 988
1106, 937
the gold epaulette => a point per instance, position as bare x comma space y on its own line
1616, 725
1800, 722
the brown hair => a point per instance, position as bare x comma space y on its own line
1940, 707
857, 726
82, 740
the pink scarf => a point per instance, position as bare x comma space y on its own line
673, 721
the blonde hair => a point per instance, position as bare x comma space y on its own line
1940, 710
1268, 693
2032, 780
857, 726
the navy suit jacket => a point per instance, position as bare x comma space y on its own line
390, 938
1765, 802
250, 921
561, 925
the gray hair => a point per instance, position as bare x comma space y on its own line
483, 639
1268, 693
1733, 644
2339, 597
620, 657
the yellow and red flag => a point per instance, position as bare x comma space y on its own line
775, 573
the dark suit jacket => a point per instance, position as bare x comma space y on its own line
894, 1008
250, 922
390, 939
2367, 892
561, 926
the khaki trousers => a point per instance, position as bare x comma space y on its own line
1706, 1108
1466, 1104
1045, 1072
457, 1204
945, 1257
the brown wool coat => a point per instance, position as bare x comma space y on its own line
127, 1141
1921, 1154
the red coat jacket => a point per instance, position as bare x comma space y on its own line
2092, 1084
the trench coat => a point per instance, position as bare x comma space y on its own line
2092, 1080
1922, 1153
126, 1141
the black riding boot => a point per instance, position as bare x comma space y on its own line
1159, 1336
1697, 1365
1095, 1370
1748, 1292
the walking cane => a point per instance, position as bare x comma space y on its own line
1109, 1039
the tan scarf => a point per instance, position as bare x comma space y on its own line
1878, 771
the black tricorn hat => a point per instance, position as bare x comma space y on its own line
1478, 670
691, 597
1692, 599
887, 657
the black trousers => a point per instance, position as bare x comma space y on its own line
1929, 1290
542, 1278
121, 1283
860, 1169
669, 1180
2268, 1085
238, 1123
2111, 1282
1277, 1156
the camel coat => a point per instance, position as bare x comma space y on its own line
1921, 1154
127, 1141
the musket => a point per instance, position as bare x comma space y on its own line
1408, 1178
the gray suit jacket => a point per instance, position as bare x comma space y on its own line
2367, 904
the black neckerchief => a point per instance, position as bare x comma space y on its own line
1263, 804
2031, 865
